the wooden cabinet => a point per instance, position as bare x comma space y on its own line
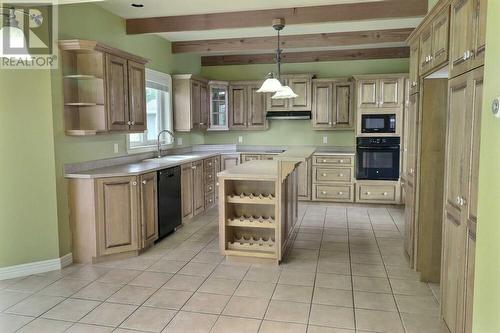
219, 105
301, 85
198, 188
111, 216
304, 180
209, 175
104, 89
467, 35
460, 206
434, 42
247, 106
332, 106
411, 146
378, 192
187, 191
191, 103
409, 232
414, 66
148, 208
379, 93
333, 178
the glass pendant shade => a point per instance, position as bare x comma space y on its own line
271, 85
16, 40
285, 93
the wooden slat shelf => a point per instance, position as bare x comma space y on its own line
256, 200
252, 247
252, 222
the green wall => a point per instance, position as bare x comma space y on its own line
297, 132
487, 280
28, 212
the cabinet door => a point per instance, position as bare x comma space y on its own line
409, 239
412, 146
117, 93
238, 107
117, 211
187, 190
301, 85
256, 109
461, 35
454, 228
440, 37
137, 96
149, 208
479, 44
228, 161
414, 66
391, 93
469, 278
368, 94
322, 104
304, 180
277, 104
425, 50
198, 188
343, 116
195, 103
217, 161
204, 106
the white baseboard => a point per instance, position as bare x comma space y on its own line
37, 267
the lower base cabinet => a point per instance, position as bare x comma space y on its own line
110, 216
378, 192
192, 189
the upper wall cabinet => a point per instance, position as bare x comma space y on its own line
301, 85
434, 42
468, 27
191, 103
219, 105
414, 66
104, 89
247, 107
332, 106
379, 93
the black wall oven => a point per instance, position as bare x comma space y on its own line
378, 123
378, 158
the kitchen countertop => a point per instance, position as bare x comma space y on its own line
168, 161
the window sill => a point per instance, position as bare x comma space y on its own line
145, 149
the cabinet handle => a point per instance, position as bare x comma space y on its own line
210, 200
341, 175
385, 194
367, 193
341, 161
463, 202
340, 193
129, 123
329, 123
411, 171
134, 183
210, 164
458, 201
324, 174
209, 176
323, 192
193, 167
414, 84
144, 182
324, 161
217, 184
210, 188
201, 124
132, 122
335, 123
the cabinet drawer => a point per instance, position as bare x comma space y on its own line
209, 163
333, 193
382, 193
321, 174
334, 160
209, 176
210, 187
267, 156
209, 200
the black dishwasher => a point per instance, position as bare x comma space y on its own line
169, 201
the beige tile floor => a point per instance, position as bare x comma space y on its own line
346, 272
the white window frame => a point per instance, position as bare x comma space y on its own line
167, 141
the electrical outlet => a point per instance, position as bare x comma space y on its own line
325, 139
240, 139
115, 147
179, 141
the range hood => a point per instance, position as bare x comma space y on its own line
294, 115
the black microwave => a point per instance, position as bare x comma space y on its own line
378, 123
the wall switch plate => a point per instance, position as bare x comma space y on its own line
115, 147
240, 139
325, 139
179, 141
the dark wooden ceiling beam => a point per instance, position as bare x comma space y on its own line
314, 56
294, 41
262, 18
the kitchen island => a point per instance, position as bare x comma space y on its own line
258, 207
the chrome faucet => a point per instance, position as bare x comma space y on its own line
158, 141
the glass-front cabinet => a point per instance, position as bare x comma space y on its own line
218, 106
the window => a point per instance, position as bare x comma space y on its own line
158, 111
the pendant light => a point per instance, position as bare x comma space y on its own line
16, 37
273, 82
